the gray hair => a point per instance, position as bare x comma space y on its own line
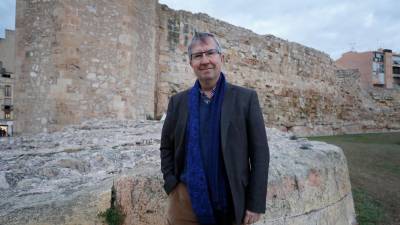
202, 37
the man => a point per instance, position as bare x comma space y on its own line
214, 151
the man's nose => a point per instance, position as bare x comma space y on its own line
204, 59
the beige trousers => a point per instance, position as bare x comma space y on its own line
179, 211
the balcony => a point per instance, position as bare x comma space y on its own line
7, 104
396, 71
4, 73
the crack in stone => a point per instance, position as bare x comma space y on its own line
311, 211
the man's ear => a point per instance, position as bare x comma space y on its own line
222, 58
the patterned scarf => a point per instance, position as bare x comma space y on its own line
206, 186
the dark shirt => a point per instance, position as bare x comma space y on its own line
205, 120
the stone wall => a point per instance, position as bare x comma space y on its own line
367, 109
299, 88
124, 59
83, 59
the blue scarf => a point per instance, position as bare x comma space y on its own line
206, 186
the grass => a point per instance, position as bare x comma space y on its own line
112, 216
374, 168
368, 210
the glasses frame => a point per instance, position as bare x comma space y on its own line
209, 54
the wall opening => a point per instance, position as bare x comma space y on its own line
3, 131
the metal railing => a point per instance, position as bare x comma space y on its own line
7, 102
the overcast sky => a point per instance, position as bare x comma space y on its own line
7, 16
333, 26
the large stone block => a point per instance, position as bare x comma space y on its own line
66, 177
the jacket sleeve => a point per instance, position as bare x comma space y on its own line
167, 151
256, 192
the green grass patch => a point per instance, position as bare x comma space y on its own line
112, 216
391, 168
376, 153
374, 167
368, 210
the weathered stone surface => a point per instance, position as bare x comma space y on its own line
299, 88
308, 184
65, 177
78, 60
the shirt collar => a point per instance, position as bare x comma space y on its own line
212, 92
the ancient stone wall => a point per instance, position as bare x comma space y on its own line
299, 88
124, 59
84, 59
367, 109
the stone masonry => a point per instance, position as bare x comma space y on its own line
299, 88
65, 177
123, 59
83, 59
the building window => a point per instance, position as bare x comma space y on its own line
7, 115
396, 70
7, 91
396, 60
378, 57
3, 131
378, 67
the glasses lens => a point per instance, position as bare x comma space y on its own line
209, 53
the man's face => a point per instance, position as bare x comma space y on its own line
206, 66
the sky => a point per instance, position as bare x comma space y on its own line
332, 26
7, 16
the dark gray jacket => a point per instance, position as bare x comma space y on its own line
243, 141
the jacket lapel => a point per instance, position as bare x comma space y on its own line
226, 113
182, 121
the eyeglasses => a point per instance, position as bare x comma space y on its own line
209, 54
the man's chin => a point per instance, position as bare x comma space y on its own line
206, 77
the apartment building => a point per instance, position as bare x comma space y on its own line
380, 68
7, 73
6, 101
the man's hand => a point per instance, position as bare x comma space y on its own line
251, 217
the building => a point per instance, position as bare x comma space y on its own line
7, 72
7, 50
6, 102
379, 68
